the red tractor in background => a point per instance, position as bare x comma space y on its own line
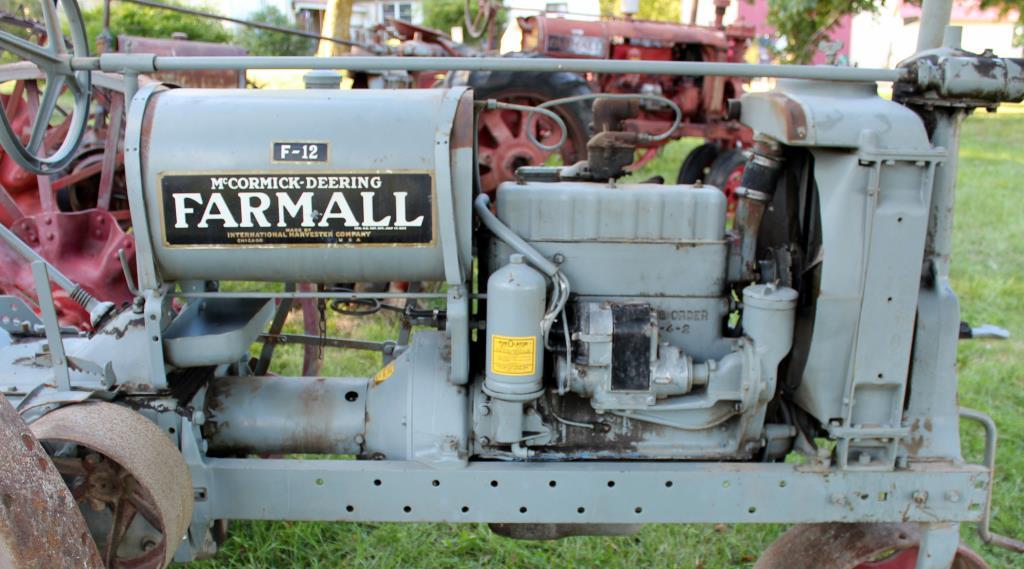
504, 144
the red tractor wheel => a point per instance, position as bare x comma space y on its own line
505, 146
503, 136
854, 546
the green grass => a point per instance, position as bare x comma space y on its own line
988, 273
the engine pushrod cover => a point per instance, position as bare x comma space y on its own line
306, 185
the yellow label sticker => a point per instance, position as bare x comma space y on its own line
513, 355
385, 373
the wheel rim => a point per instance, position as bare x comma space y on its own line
129, 480
504, 144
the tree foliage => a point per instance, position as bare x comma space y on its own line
805, 23
443, 15
657, 10
266, 42
135, 20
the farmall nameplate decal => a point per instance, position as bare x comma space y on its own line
288, 210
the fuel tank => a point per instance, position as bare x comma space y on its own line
323, 186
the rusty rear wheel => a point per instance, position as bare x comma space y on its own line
40, 524
854, 546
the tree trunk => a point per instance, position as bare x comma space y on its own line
336, 25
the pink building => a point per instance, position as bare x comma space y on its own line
885, 38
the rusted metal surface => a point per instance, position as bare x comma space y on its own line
462, 126
312, 356
40, 524
129, 467
792, 115
853, 546
283, 415
174, 47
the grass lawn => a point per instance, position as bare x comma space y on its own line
988, 273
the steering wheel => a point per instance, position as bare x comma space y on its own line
54, 60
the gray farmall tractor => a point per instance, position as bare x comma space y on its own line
602, 355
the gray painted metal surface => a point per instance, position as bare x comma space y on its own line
734, 493
215, 331
282, 415
58, 361
622, 240
413, 411
934, 19
16, 317
236, 144
514, 345
877, 175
